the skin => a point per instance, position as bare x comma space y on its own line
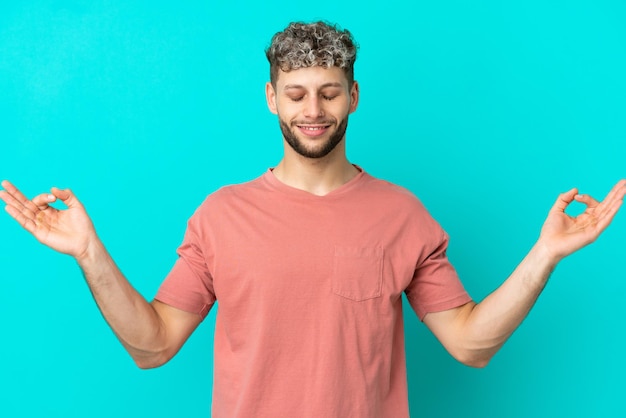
151, 332
321, 99
313, 98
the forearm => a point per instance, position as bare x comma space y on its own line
151, 332
487, 325
135, 321
473, 333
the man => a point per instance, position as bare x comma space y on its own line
309, 262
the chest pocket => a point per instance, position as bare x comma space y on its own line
358, 272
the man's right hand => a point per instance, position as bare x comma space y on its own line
69, 231
151, 333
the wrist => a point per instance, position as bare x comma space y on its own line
94, 250
543, 255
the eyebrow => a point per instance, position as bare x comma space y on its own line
298, 86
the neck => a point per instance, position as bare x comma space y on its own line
318, 176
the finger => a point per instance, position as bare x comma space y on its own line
613, 199
43, 200
564, 199
4, 183
605, 211
27, 222
12, 202
618, 191
607, 215
4, 196
18, 196
16, 209
66, 196
587, 200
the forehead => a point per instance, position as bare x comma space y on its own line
311, 78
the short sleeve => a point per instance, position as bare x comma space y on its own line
189, 285
436, 286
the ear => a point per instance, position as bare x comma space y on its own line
354, 96
270, 96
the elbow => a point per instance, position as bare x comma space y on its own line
474, 358
148, 360
146, 363
478, 363
147, 366
148, 356
476, 353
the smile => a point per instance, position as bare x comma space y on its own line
313, 130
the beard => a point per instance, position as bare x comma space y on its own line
319, 151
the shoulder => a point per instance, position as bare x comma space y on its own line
227, 201
402, 204
232, 192
391, 193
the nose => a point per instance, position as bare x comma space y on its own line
313, 108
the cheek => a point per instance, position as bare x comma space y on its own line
344, 112
286, 112
283, 118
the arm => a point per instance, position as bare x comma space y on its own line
473, 333
151, 332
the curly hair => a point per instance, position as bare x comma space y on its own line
303, 45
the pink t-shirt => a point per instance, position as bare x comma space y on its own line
309, 320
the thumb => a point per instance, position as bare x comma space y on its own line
66, 196
564, 199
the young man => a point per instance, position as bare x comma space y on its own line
309, 262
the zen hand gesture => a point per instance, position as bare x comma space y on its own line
564, 234
68, 231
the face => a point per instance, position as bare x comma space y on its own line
313, 105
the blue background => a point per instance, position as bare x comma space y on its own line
486, 110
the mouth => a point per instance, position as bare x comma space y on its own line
313, 130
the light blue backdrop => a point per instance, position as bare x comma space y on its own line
486, 110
